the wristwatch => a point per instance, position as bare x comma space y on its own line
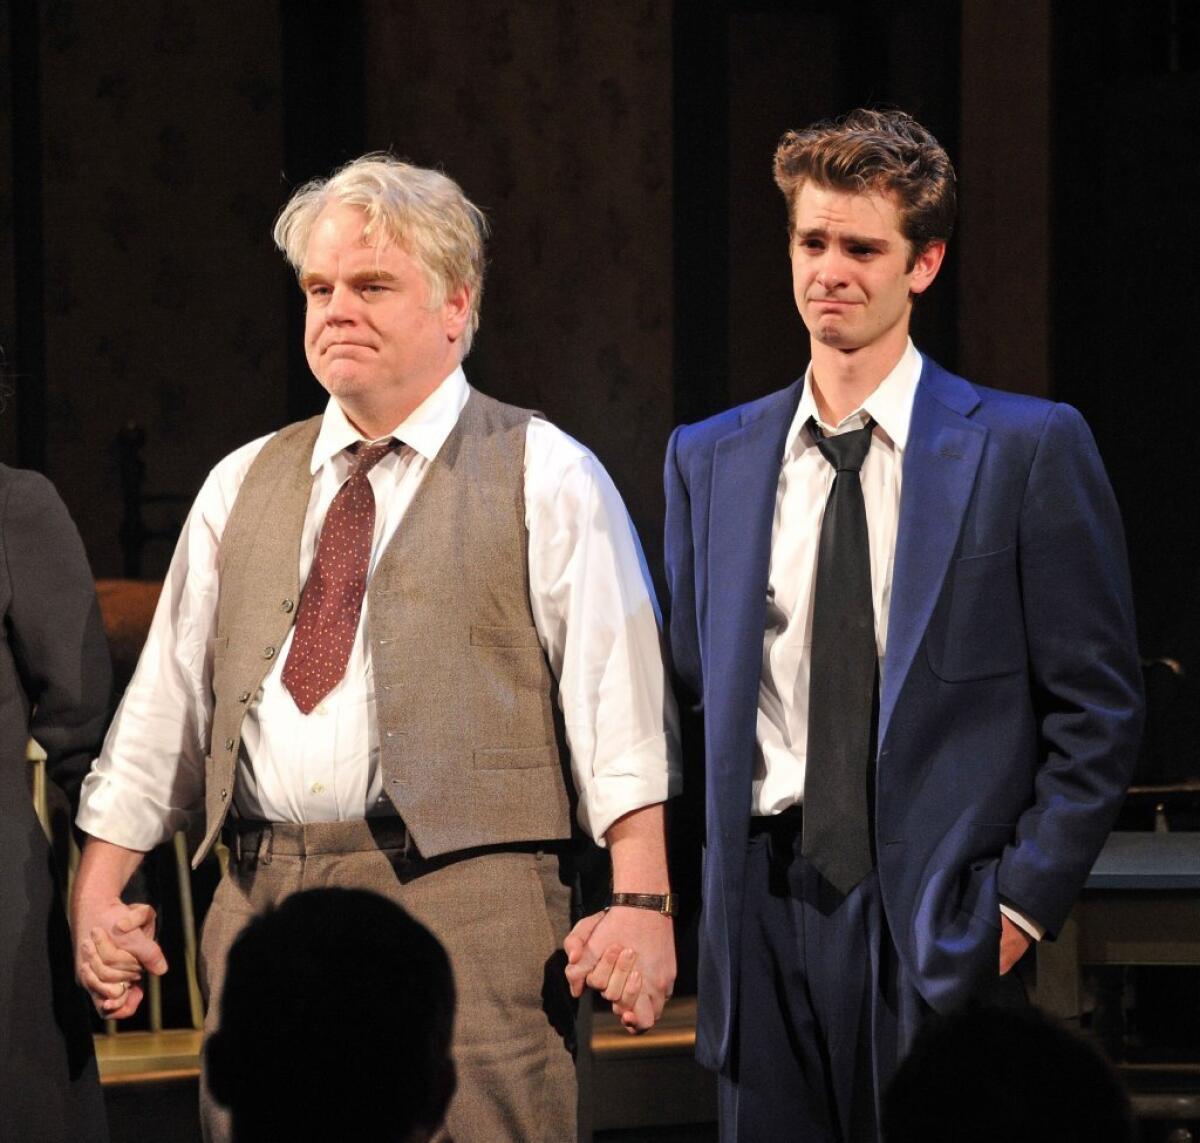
665, 903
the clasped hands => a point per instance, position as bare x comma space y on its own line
114, 948
628, 956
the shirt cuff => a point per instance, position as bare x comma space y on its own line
645, 775
1027, 924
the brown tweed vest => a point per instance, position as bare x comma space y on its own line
469, 744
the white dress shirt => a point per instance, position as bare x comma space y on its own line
805, 479
804, 483
592, 604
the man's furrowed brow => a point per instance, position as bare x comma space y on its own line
822, 234
875, 241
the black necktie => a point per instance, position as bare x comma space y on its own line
843, 679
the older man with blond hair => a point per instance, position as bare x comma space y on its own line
400, 647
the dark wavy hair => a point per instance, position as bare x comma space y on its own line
875, 151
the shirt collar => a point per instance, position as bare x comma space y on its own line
890, 404
424, 430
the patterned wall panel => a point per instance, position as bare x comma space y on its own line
8, 283
556, 118
164, 297
7, 256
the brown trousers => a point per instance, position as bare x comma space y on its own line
501, 916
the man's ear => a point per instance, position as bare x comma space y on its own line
926, 266
456, 312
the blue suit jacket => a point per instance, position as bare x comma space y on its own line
1010, 698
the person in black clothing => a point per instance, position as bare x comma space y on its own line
54, 686
995, 1075
335, 1024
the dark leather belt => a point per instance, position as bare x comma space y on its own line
248, 837
790, 820
251, 840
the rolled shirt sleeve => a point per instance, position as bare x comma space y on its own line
148, 782
595, 611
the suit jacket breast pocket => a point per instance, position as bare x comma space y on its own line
977, 630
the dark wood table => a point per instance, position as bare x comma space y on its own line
1140, 906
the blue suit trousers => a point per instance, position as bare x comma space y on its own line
826, 1010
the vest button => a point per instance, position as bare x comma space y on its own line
269, 653
229, 744
286, 605
224, 795
244, 696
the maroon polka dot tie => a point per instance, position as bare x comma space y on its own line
327, 619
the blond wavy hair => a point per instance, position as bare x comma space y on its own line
421, 210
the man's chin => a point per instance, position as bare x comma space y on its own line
342, 382
834, 334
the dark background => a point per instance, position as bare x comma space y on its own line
638, 272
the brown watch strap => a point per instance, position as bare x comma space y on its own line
665, 903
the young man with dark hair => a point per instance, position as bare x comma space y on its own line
903, 602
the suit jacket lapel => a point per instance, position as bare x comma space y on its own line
745, 477
940, 462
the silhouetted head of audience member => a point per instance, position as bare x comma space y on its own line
336, 1021
992, 1075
